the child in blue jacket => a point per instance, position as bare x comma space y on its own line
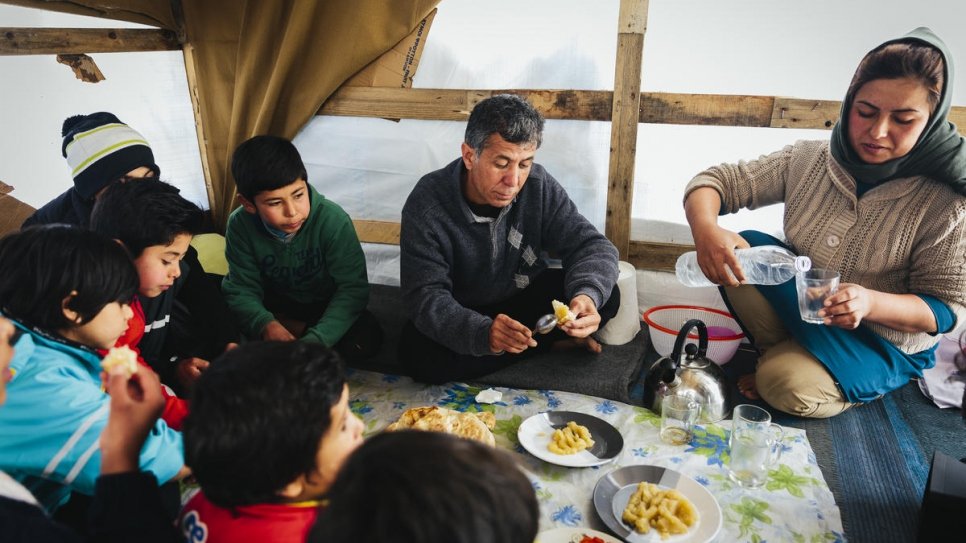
67, 290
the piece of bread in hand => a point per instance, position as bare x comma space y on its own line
120, 359
562, 312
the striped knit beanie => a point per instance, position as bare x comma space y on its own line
99, 149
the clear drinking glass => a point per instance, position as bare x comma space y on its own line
678, 415
755, 445
814, 286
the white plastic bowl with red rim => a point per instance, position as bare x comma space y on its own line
665, 321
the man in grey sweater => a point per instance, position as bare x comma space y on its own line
474, 244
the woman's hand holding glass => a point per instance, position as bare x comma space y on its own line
847, 307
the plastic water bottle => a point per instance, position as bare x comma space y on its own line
763, 265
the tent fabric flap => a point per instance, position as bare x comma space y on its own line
267, 67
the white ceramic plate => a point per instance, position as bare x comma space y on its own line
535, 434
614, 490
572, 535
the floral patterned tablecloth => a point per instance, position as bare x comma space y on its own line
794, 505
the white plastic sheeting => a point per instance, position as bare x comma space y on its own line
369, 165
396, 155
755, 47
148, 91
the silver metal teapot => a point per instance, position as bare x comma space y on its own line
687, 371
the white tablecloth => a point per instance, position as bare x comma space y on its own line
794, 505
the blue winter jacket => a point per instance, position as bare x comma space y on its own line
51, 423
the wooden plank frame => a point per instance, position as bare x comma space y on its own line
191, 73
626, 112
76, 41
579, 105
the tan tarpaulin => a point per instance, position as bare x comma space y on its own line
265, 66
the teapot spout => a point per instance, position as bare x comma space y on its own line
659, 378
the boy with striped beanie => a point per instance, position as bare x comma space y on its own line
100, 150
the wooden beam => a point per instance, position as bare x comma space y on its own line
577, 105
569, 104
386, 233
625, 118
958, 116
823, 114
655, 256
75, 41
706, 109
456, 104
798, 113
656, 107
399, 103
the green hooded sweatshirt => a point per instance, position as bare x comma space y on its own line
323, 262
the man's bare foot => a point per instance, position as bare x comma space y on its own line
588, 343
747, 386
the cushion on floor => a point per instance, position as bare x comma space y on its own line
610, 374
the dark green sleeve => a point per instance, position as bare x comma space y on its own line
242, 285
346, 264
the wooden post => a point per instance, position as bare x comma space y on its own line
191, 73
632, 23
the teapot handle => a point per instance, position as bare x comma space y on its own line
683, 336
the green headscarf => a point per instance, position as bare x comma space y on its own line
939, 154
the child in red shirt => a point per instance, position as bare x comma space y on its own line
269, 429
155, 224
175, 408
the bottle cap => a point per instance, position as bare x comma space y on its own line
803, 263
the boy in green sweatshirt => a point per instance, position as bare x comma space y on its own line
296, 269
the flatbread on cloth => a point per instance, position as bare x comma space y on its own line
476, 426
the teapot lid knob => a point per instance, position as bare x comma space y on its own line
679, 342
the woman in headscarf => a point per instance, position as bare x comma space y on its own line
883, 204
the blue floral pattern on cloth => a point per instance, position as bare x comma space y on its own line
551, 397
359, 407
795, 503
710, 441
606, 407
567, 515
521, 400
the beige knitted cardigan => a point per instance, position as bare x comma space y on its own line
906, 236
